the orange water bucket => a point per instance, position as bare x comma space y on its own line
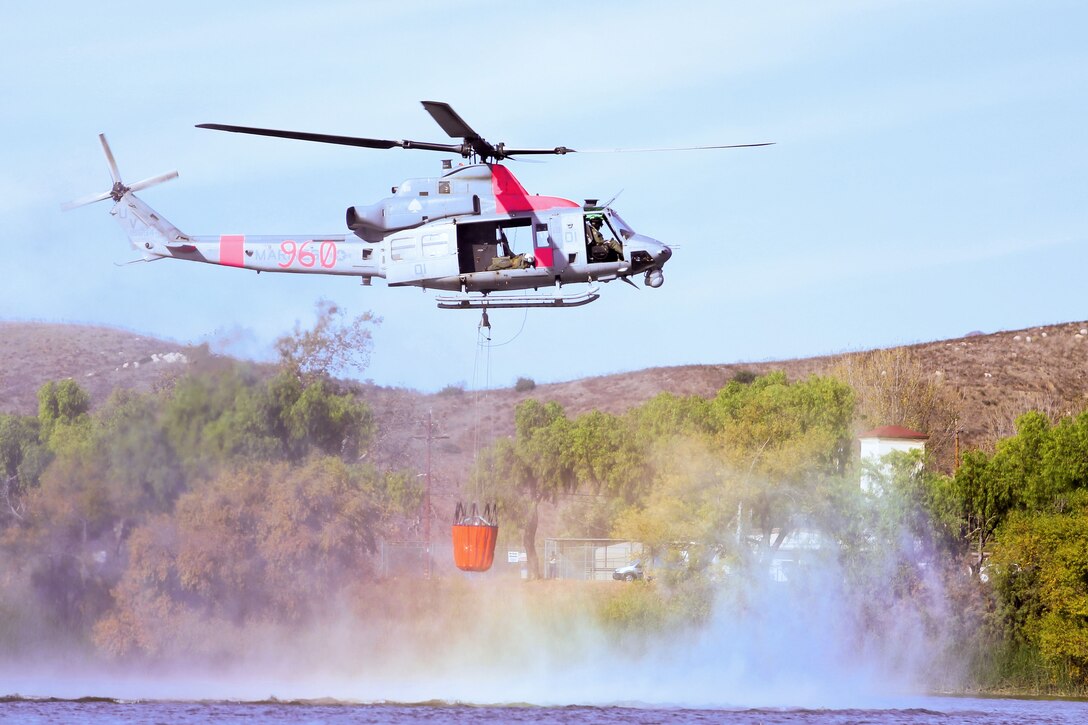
474, 538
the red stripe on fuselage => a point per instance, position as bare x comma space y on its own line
510, 195
232, 250
544, 256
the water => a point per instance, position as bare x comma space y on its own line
915, 711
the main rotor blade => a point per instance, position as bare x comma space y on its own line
370, 143
450, 122
114, 173
558, 150
670, 148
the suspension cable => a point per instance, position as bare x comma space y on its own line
483, 340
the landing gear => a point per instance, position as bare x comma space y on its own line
499, 300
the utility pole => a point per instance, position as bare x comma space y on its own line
429, 437
956, 451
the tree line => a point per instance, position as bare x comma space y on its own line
238, 496
725, 480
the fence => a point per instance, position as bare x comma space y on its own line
587, 559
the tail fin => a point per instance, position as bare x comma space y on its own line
145, 228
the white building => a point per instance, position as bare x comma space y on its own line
879, 442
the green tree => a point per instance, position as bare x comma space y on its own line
606, 456
983, 500
1065, 457
666, 416
1018, 463
1034, 470
331, 422
533, 467
782, 443
23, 457
625, 459
61, 401
213, 419
129, 432
1027, 505
1042, 563
213, 415
693, 499
62, 407
747, 467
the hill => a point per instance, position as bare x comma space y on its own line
100, 359
998, 375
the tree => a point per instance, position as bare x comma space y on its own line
63, 401
893, 388
213, 419
333, 423
23, 457
693, 498
1065, 456
1042, 564
749, 466
334, 345
983, 500
1034, 470
911, 508
61, 404
261, 542
781, 444
129, 431
533, 467
1027, 505
607, 457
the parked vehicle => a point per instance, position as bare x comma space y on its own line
630, 572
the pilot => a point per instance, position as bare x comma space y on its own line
598, 247
593, 231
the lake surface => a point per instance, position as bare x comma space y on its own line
916, 711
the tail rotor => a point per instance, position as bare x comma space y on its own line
119, 189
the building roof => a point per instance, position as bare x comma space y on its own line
894, 431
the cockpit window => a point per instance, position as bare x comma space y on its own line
619, 224
602, 241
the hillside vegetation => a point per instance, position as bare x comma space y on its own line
997, 376
200, 501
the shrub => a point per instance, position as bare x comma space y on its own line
744, 377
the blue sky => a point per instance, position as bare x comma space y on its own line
928, 178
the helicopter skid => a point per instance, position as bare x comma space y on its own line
505, 301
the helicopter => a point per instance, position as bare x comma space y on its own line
474, 231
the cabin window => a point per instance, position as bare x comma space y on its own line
436, 245
443, 187
509, 236
541, 235
403, 248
